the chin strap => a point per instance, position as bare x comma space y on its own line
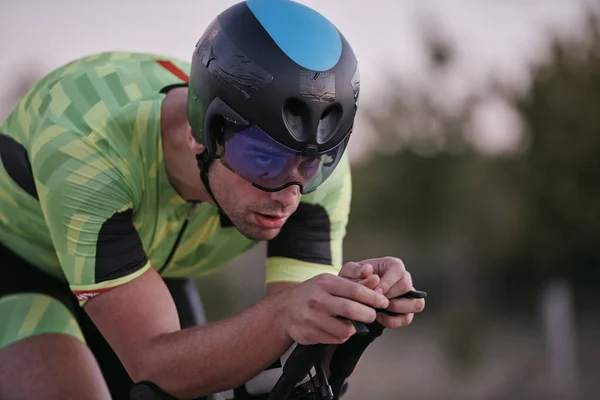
204, 162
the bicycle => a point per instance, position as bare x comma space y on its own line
300, 364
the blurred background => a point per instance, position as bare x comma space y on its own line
474, 160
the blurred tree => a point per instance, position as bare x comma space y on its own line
558, 178
479, 229
421, 184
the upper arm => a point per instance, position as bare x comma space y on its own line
88, 202
311, 241
87, 205
132, 316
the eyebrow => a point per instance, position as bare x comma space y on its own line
266, 151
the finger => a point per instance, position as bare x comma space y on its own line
316, 336
340, 328
395, 322
349, 309
403, 286
366, 270
352, 270
406, 306
371, 282
388, 267
355, 291
380, 265
393, 274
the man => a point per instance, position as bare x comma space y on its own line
121, 170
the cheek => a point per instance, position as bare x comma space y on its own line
234, 189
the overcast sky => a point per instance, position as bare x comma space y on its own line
494, 36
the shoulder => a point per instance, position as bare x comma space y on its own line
312, 237
84, 92
106, 103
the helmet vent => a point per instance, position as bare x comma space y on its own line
296, 115
329, 123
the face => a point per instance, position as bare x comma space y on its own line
257, 214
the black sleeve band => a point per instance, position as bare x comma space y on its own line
119, 251
306, 236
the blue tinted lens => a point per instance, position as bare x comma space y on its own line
254, 159
329, 162
255, 156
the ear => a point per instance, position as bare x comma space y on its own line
196, 147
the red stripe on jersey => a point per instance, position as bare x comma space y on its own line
174, 69
83, 295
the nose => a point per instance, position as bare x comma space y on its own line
288, 197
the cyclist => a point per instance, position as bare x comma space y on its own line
121, 171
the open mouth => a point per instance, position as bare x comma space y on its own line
269, 221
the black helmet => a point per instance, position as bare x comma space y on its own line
273, 94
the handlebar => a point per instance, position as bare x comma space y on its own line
343, 361
303, 359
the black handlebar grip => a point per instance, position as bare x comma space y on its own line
146, 390
299, 363
348, 354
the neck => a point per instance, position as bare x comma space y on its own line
180, 161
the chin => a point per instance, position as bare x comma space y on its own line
258, 234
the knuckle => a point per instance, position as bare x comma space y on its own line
347, 310
396, 322
385, 320
385, 286
314, 301
406, 283
308, 319
396, 261
304, 319
321, 279
407, 319
349, 267
328, 281
400, 321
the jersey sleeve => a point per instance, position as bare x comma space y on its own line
311, 241
87, 204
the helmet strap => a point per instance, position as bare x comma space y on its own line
204, 162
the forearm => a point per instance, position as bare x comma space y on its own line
218, 356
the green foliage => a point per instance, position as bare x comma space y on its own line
559, 177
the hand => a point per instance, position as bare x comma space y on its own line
393, 281
312, 308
